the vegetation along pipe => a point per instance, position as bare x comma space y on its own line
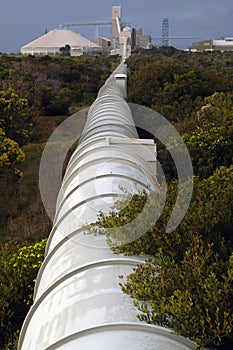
78, 303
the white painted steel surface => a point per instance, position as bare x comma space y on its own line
78, 303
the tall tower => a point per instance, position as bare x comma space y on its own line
116, 26
165, 31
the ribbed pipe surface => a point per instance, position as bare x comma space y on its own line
78, 303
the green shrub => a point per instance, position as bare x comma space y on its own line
187, 283
193, 297
19, 268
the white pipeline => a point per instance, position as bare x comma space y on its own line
78, 303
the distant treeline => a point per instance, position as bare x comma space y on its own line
53, 84
193, 91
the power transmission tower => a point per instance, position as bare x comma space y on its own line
165, 31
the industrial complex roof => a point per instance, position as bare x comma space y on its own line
223, 42
59, 38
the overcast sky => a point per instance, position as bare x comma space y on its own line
22, 21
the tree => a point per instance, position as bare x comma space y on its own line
65, 50
210, 146
19, 268
10, 154
193, 297
187, 282
217, 109
15, 117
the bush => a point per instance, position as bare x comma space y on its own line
193, 297
19, 267
187, 283
210, 146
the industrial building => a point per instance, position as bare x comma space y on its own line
57, 41
105, 43
54, 41
223, 44
141, 40
122, 33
